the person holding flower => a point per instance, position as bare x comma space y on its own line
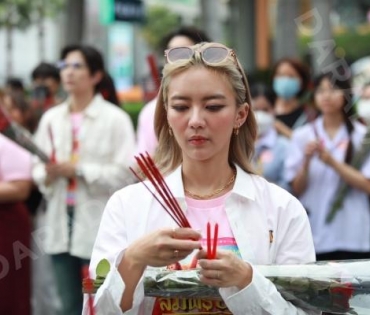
206, 134
319, 160
90, 143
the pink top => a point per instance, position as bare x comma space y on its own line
15, 162
199, 213
146, 138
76, 120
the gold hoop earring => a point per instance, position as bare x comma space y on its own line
170, 131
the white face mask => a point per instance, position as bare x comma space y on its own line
264, 121
363, 110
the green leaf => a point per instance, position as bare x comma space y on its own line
103, 268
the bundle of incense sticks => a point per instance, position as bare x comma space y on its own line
19, 135
168, 202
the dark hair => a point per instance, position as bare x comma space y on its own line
93, 58
108, 90
15, 84
44, 71
195, 35
260, 89
347, 109
302, 70
19, 101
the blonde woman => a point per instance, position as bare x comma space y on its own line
206, 136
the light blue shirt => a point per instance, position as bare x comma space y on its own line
270, 152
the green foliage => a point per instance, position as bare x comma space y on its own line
47, 8
21, 13
159, 22
133, 109
15, 13
353, 44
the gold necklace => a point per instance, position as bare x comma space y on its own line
216, 192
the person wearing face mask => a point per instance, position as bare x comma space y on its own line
270, 148
291, 81
363, 105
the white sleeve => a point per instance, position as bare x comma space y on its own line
42, 140
259, 298
110, 244
294, 156
114, 175
293, 245
365, 168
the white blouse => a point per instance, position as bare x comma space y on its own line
350, 229
106, 148
253, 208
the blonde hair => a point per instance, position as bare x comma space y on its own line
168, 154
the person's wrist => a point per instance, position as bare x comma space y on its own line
247, 277
133, 259
306, 165
331, 162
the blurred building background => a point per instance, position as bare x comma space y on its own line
320, 32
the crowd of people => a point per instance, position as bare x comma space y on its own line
281, 164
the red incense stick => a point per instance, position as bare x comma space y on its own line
89, 285
53, 158
212, 246
154, 71
215, 240
168, 201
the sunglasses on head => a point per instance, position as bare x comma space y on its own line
211, 55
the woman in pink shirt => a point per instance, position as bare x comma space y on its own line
15, 185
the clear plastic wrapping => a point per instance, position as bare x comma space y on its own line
336, 287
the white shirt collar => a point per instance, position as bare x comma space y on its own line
341, 135
92, 110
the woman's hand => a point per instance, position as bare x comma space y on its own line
227, 270
55, 170
325, 156
311, 148
164, 247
